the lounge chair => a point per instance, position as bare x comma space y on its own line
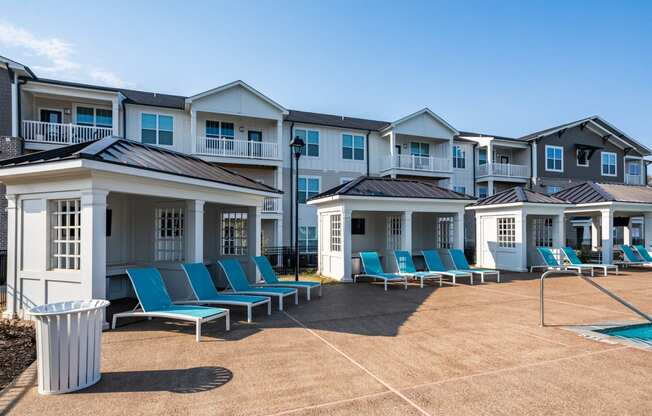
406, 267
460, 263
154, 302
206, 294
632, 258
240, 285
434, 264
373, 268
271, 280
642, 251
549, 260
572, 258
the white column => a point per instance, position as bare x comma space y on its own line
406, 231
14, 106
490, 187
459, 229
194, 231
627, 234
115, 116
521, 232
254, 238
279, 141
534, 166
647, 228
559, 231
12, 252
93, 243
607, 225
346, 245
193, 130
595, 237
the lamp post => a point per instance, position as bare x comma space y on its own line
296, 146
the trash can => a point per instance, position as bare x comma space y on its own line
68, 344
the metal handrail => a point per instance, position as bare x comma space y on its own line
592, 283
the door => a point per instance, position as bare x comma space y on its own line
49, 131
504, 160
255, 142
488, 241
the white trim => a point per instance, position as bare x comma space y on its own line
94, 107
387, 199
518, 205
425, 110
308, 177
242, 84
615, 155
364, 146
546, 158
157, 114
295, 128
38, 109
577, 161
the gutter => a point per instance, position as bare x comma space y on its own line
368, 158
21, 81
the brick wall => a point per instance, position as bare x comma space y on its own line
5, 103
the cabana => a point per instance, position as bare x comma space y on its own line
80, 215
383, 215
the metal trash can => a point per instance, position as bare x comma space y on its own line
68, 344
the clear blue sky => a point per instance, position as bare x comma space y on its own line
500, 67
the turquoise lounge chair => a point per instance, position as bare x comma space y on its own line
206, 294
271, 280
154, 302
373, 268
406, 267
240, 285
642, 251
460, 263
434, 264
632, 258
575, 261
549, 260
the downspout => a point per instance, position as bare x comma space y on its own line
291, 188
531, 181
21, 81
475, 184
124, 119
368, 158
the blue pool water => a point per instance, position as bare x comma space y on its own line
641, 332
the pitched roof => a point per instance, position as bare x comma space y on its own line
370, 186
591, 192
519, 194
133, 154
335, 121
427, 111
238, 83
473, 134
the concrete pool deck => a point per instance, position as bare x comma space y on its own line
454, 350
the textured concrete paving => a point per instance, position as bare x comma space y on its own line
475, 350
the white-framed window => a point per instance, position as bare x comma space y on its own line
311, 140
583, 157
345, 180
543, 232
352, 146
553, 189
483, 191
634, 169
156, 129
169, 242
65, 237
482, 156
307, 239
554, 158
506, 232
234, 233
92, 116
420, 149
459, 157
216, 129
336, 232
459, 188
609, 163
393, 232
308, 187
445, 232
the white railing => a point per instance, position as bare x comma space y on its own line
220, 146
633, 179
272, 205
421, 163
503, 169
60, 133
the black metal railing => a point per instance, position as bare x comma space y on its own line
283, 259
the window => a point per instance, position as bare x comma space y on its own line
169, 239
608, 164
89, 116
307, 239
234, 233
444, 233
507, 232
311, 139
482, 156
308, 187
357, 226
483, 191
156, 129
459, 157
554, 158
460, 189
420, 149
582, 157
634, 169
543, 232
393, 232
65, 238
552, 189
336, 232
352, 147
219, 130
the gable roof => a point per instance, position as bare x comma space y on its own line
370, 186
479, 135
427, 111
133, 154
592, 192
23, 70
237, 83
335, 121
519, 194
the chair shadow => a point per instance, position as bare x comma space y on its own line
182, 381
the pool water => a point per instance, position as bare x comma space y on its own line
641, 332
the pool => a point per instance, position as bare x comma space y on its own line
641, 333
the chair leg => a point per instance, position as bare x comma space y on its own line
269, 307
320, 289
440, 280
296, 297
308, 289
198, 331
114, 319
228, 320
385, 285
405, 284
249, 313
421, 282
482, 277
280, 303
498, 276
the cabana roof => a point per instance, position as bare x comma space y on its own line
516, 195
591, 192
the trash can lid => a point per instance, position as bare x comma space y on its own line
71, 306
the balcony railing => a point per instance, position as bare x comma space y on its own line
419, 163
272, 205
220, 146
60, 133
503, 169
633, 179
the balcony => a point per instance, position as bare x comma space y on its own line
272, 206
418, 163
503, 169
60, 133
228, 147
634, 179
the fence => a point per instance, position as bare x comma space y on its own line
283, 259
3, 278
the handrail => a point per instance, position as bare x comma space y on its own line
594, 284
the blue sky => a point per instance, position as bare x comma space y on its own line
501, 67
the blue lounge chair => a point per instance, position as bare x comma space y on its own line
460, 263
206, 294
271, 280
642, 251
572, 258
552, 264
406, 267
434, 264
154, 302
240, 285
373, 268
632, 258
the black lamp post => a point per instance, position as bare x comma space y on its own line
296, 146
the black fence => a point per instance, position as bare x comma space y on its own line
3, 278
283, 259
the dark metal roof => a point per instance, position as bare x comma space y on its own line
133, 154
519, 194
335, 121
590, 192
392, 188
